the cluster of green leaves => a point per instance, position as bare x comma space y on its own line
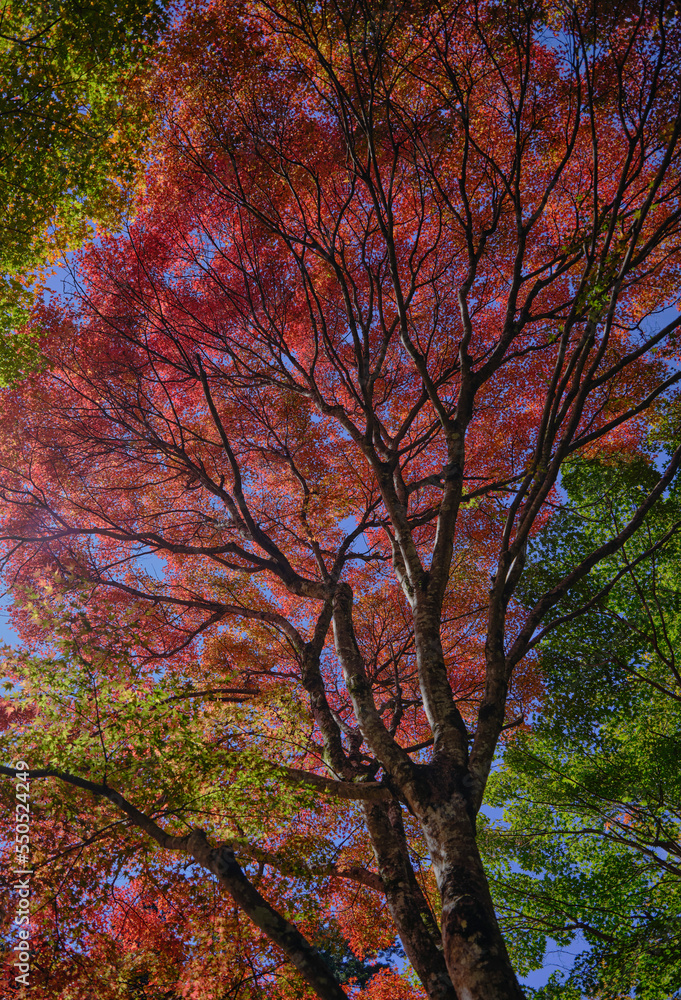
70, 142
590, 845
157, 739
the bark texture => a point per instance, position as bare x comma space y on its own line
414, 920
475, 951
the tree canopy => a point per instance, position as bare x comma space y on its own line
273, 514
70, 142
592, 794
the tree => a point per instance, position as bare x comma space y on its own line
70, 141
592, 796
395, 266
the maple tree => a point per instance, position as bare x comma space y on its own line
394, 266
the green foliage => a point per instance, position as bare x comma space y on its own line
171, 752
70, 142
591, 838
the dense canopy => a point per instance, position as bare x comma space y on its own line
70, 142
280, 512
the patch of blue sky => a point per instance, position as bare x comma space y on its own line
7, 633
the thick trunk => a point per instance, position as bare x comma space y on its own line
408, 906
474, 949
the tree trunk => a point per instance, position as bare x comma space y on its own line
408, 906
474, 949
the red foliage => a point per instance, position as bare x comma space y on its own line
381, 285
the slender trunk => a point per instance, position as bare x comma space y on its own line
474, 949
408, 906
